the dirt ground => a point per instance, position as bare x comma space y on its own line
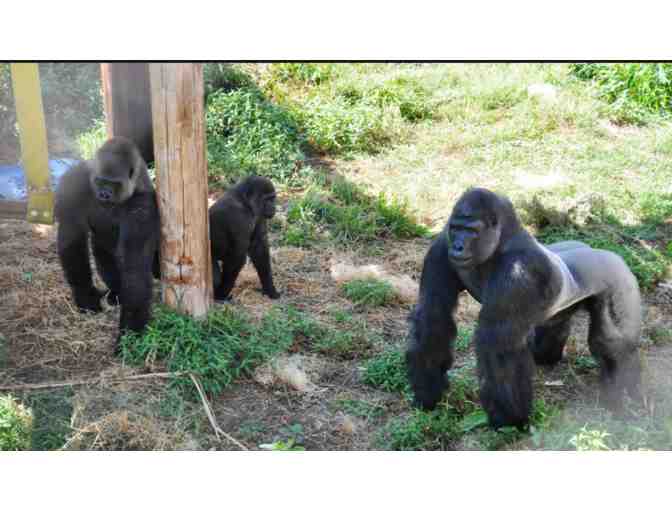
43, 339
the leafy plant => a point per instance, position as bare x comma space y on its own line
16, 422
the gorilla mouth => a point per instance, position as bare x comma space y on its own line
461, 261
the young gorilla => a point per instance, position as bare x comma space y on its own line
112, 198
238, 229
528, 293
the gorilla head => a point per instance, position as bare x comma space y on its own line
115, 171
476, 225
259, 195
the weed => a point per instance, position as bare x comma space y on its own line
16, 422
589, 440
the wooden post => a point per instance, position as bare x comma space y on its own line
182, 177
128, 106
33, 136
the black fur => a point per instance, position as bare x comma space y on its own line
528, 294
238, 229
111, 200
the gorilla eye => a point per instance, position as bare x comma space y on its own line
130, 173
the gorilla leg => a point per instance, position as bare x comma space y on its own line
613, 340
73, 251
548, 340
108, 269
230, 271
261, 259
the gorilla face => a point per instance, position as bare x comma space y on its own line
268, 207
114, 173
471, 239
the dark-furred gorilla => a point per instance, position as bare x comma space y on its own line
111, 198
238, 229
528, 294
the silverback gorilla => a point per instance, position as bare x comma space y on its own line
112, 198
238, 229
528, 294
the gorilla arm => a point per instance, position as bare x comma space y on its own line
72, 209
433, 329
138, 242
516, 298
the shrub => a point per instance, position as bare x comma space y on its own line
16, 425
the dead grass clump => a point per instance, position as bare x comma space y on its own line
404, 287
293, 371
120, 431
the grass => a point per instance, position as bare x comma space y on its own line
387, 371
219, 349
401, 143
368, 292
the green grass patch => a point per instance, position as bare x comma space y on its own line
434, 430
16, 423
350, 339
369, 292
464, 339
249, 134
219, 349
52, 412
631, 90
91, 140
387, 371
345, 213
359, 408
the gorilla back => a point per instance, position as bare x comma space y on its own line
528, 293
110, 199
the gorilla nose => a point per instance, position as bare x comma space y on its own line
104, 195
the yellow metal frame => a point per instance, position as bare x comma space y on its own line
33, 136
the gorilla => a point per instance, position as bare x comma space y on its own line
528, 294
238, 229
111, 198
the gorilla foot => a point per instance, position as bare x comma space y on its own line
271, 293
89, 301
112, 298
